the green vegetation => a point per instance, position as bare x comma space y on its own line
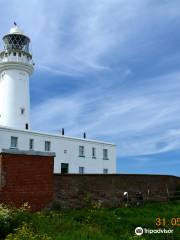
94, 222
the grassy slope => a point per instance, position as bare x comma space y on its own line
106, 223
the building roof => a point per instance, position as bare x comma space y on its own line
54, 135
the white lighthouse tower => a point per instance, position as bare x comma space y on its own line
15, 68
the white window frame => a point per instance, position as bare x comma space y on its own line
14, 142
105, 171
93, 152
81, 151
81, 170
47, 146
31, 144
105, 154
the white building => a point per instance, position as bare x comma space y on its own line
73, 155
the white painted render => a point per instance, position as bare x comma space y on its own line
14, 98
59, 144
15, 68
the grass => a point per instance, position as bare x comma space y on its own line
104, 224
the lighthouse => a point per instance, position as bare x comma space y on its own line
16, 66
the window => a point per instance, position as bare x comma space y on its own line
64, 167
22, 111
26, 126
31, 144
81, 170
105, 171
81, 151
14, 142
65, 151
14, 53
93, 152
2, 76
19, 54
47, 146
105, 154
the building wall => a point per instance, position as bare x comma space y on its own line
75, 190
61, 143
14, 95
26, 178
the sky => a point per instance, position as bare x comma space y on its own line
110, 68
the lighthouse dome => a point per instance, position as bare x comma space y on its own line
16, 30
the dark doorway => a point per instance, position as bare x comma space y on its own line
64, 167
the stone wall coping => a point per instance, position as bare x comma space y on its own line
24, 152
114, 175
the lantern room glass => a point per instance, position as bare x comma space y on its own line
16, 42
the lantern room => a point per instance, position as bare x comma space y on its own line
16, 40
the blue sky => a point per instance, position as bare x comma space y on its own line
110, 68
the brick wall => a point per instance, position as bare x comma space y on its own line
26, 178
73, 190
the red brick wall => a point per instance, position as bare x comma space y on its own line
26, 178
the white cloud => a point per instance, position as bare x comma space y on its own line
136, 121
107, 38
74, 37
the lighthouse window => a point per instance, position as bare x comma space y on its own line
14, 142
22, 111
2, 76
